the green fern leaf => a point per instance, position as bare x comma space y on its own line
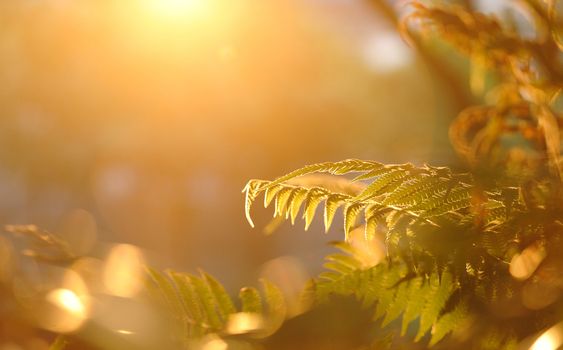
373, 217
224, 303
281, 200
252, 190
251, 300
189, 300
453, 192
275, 303
333, 202
336, 168
398, 305
340, 268
170, 296
438, 295
270, 193
297, 200
378, 184
350, 215
449, 322
447, 207
376, 172
207, 300
345, 260
330, 276
314, 197
418, 290
386, 294
409, 188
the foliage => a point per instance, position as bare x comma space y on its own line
462, 250
60, 343
200, 306
455, 243
445, 237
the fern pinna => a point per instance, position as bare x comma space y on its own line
449, 242
199, 306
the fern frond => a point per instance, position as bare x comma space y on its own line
269, 193
223, 301
423, 192
379, 184
397, 306
281, 200
437, 297
449, 322
174, 303
414, 306
201, 305
442, 231
276, 305
212, 313
335, 168
417, 190
252, 191
394, 293
314, 198
193, 320
60, 343
299, 197
333, 202
373, 217
251, 300
351, 212
408, 204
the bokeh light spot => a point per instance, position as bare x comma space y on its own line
124, 270
552, 339
244, 322
67, 300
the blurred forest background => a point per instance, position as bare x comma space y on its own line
139, 121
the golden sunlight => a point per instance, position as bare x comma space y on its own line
213, 342
244, 322
523, 265
552, 339
176, 8
67, 300
123, 271
65, 311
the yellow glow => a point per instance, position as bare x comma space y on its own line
65, 308
244, 322
176, 8
552, 339
124, 331
523, 265
214, 343
289, 274
124, 270
369, 252
64, 312
67, 300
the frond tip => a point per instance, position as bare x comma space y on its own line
252, 189
420, 194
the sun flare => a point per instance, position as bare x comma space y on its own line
175, 8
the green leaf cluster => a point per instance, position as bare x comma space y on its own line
200, 305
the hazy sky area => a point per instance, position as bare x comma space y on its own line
148, 117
